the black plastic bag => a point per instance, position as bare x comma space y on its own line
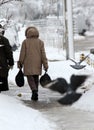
45, 79
19, 79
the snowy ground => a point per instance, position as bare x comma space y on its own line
15, 116
60, 68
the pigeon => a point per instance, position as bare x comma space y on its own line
68, 90
78, 64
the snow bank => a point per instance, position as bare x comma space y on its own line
15, 116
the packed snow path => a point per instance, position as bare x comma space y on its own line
65, 117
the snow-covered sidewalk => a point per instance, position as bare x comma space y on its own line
17, 116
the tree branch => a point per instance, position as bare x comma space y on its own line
5, 1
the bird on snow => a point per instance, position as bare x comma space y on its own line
68, 89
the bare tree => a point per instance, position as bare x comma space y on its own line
5, 1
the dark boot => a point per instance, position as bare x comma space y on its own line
34, 95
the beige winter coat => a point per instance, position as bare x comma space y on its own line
32, 54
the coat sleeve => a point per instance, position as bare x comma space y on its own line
44, 58
22, 53
8, 52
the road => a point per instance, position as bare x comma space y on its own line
84, 44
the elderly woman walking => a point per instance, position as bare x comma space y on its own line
32, 57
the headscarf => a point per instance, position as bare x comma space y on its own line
31, 32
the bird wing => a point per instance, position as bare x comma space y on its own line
73, 61
77, 80
69, 99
